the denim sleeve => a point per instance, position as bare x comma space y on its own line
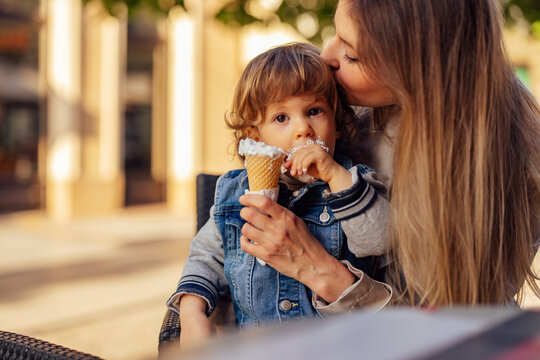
203, 273
363, 214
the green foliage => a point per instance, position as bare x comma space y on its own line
324, 11
528, 9
237, 12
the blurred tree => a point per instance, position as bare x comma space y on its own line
529, 10
311, 18
294, 11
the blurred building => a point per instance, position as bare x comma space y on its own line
100, 112
19, 107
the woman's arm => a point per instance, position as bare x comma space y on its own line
285, 243
365, 293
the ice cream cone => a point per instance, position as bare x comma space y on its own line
263, 171
263, 164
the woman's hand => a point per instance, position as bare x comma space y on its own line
283, 241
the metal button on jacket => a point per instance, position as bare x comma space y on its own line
325, 216
285, 305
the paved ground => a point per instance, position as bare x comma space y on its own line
96, 285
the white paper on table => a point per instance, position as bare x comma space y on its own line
269, 193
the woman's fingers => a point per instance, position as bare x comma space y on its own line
262, 203
252, 232
281, 239
251, 248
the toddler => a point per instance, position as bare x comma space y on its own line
286, 97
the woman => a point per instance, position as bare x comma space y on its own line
455, 137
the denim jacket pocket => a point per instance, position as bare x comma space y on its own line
322, 223
238, 268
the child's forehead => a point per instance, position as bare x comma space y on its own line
306, 97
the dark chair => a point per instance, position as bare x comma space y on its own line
20, 347
169, 335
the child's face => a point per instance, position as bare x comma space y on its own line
292, 122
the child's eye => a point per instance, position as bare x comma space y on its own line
280, 118
314, 111
349, 59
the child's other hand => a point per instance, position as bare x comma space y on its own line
195, 331
196, 327
315, 161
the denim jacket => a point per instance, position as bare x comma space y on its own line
259, 293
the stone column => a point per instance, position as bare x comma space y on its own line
84, 113
63, 161
159, 105
101, 186
184, 106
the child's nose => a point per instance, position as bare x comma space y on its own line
303, 129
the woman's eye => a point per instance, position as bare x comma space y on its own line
280, 118
314, 111
349, 59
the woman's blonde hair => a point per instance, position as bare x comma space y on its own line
287, 70
467, 156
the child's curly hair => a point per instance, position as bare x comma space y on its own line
287, 70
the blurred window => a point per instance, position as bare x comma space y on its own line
140, 188
19, 106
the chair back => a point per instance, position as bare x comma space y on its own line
22, 347
206, 187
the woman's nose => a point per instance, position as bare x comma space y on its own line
328, 54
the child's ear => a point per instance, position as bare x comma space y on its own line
253, 133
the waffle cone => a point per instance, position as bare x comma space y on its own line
263, 172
